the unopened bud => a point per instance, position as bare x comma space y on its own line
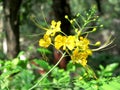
101, 25
66, 16
78, 15
94, 29
71, 21
98, 43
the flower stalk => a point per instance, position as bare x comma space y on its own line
45, 75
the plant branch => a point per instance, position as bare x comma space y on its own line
63, 55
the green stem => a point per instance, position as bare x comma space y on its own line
48, 72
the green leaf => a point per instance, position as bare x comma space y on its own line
44, 51
71, 66
111, 67
8, 73
113, 85
101, 67
42, 64
1, 62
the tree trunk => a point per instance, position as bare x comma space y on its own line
11, 26
61, 8
98, 2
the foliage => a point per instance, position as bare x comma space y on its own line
107, 71
16, 75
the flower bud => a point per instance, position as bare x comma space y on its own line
98, 43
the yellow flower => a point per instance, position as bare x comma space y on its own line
80, 56
81, 52
82, 43
89, 52
70, 42
83, 62
45, 42
55, 27
75, 55
59, 41
66, 42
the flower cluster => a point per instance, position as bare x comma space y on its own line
78, 45
46, 41
75, 45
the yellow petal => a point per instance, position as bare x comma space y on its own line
59, 41
70, 42
45, 42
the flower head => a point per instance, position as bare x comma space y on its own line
59, 41
45, 42
66, 42
70, 42
81, 52
79, 57
55, 27
82, 43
